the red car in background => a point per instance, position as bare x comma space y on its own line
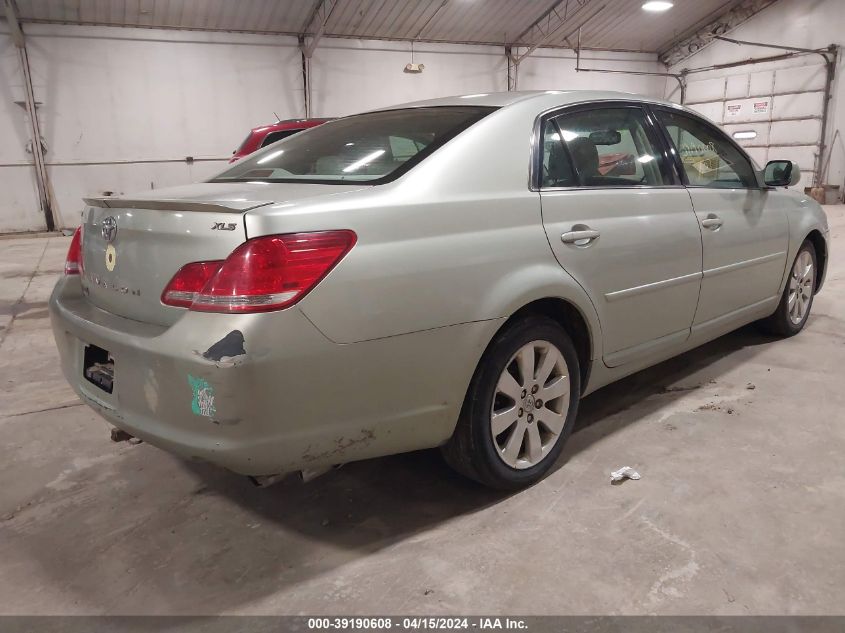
264, 135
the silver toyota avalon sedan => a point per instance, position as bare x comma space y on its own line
456, 273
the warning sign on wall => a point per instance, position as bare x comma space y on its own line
754, 109
762, 107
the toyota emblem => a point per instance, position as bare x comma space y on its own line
109, 228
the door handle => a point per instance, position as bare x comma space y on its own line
580, 238
711, 222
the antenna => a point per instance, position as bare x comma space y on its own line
278, 119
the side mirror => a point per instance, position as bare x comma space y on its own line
781, 173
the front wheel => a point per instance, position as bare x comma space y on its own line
794, 308
520, 406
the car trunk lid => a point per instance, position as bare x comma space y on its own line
154, 234
132, 248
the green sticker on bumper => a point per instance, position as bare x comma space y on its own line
203, 401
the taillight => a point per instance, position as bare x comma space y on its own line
262, 274
73, 262
188, 282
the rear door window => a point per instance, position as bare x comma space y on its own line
601, 147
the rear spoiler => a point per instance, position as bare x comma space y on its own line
222, 206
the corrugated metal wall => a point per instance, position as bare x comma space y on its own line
121, 109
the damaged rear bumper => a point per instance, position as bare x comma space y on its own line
268, 393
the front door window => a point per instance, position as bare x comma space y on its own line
709, 159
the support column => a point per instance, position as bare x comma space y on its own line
41, 177
306, 76
316, 26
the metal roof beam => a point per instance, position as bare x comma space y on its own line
316, 25
560, 14
538, 23
689, 44
14, 23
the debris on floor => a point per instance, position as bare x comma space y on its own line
750, 385
716, 406
119, 435
626, 472
682, 388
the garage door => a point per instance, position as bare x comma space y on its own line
773, 111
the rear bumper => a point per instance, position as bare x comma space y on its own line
292, 400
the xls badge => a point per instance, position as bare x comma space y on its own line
111, 257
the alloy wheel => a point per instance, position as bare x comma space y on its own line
530, 404
801, 285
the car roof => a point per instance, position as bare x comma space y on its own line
544, 98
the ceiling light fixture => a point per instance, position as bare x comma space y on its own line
745, 134
412, 67
657, 6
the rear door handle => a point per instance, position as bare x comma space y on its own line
579, 238
711, 222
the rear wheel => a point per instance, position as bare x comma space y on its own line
794, 308
520, 406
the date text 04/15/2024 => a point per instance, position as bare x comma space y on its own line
417, 623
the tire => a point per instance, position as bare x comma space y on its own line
529, 435
794, 308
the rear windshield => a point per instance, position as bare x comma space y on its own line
366, 148
273, 137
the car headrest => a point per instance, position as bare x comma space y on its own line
586, 156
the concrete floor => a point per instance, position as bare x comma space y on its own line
740, 509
